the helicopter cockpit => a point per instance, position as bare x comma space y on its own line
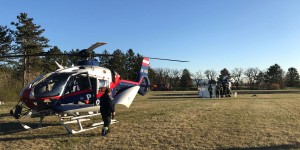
52, 85
58, 84
68, 86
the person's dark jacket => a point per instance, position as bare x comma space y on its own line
106, 104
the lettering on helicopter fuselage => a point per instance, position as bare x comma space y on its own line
97, 102
88, 96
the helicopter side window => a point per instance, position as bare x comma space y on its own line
77, 83
51, 85
103, 84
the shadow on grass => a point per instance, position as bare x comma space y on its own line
15, 127
4, 115
273, 147
48, 136
8, 128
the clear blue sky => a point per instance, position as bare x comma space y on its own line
211, 34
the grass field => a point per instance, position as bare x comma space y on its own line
174, 120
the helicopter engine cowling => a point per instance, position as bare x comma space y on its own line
144, 85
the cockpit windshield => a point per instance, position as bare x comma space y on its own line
52, 85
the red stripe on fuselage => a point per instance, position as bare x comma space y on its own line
130, 82
64, 96
78, 92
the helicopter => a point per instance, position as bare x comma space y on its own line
73, 93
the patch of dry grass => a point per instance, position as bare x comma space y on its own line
175, 120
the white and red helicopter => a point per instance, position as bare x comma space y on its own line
74, 93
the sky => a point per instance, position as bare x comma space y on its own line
210, 34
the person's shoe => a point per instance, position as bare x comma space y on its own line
108, 130
105, 131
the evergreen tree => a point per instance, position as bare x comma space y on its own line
104, 60
72, 61
6, 39
292, 77
29, 40
186, 80
224, 73
274, 74
136, 66
117, 62
260, 79
128, 65
49, 64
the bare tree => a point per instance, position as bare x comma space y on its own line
210, 74
251, 74
237, 75
174, 76
162, 80
197, 77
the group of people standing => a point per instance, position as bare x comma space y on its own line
222, 90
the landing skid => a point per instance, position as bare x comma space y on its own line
41, 116
67, 120
25, 126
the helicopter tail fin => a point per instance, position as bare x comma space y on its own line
143, 77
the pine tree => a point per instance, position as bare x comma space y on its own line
224, 73
292, 77
29, 40
130, 58
72, 61
117, 62
6, 39
274, 74
49, 64
104, 60
186, 80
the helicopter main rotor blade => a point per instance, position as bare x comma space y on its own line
37, 54
48, 54
94, 46
168, 59
101, 55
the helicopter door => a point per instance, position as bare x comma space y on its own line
78, 89
101, 87
94, 89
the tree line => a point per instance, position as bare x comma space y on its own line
26, 37
273, 77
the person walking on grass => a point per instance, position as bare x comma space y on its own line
106, 110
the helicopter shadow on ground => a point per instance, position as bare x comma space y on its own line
272, 147
50, 135
4, 115
11, 127
15, 127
